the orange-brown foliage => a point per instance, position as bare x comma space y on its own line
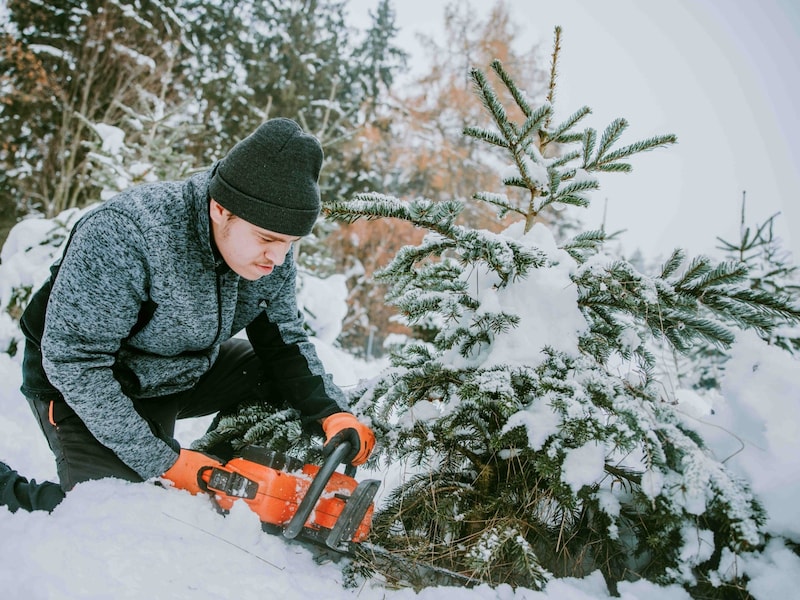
363, 248
419, 150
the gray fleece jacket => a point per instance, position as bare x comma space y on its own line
150, 247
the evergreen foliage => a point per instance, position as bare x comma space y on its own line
771, 271
294, 59
258, 423
767, 275
492, 446
99, 95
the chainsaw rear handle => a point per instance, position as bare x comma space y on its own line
316, 488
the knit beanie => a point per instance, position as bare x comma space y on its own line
270, 178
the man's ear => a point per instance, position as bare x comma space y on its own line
217, 212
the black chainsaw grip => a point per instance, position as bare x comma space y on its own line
315, 490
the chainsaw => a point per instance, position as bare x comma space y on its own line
300, 501
308, 503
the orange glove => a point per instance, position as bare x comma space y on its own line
344, 427
185, 473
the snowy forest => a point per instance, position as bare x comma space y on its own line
547, 409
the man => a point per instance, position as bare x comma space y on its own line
134, 328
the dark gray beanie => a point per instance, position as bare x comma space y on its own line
270, 178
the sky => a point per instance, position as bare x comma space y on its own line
723, 75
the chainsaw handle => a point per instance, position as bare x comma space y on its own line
315, 490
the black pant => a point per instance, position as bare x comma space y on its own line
235, 377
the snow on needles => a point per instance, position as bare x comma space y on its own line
545, 301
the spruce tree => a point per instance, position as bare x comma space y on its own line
537, 453
296, 59
770, 270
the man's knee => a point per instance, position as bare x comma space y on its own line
79, 456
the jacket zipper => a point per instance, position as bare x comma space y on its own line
219, 309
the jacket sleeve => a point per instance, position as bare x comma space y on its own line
289, 358
94, 303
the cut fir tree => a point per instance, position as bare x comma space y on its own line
538, 441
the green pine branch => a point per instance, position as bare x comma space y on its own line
561, 133
573, 193
610, 161
517, 94
436, 216
526, 144
673, 263
585, 244
489, 467
501, 201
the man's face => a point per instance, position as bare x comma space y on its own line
250, 252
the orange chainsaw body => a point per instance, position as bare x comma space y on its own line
279, 493
273, 486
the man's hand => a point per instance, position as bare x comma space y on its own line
344, 427
185, 473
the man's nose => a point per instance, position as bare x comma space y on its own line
277, 251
